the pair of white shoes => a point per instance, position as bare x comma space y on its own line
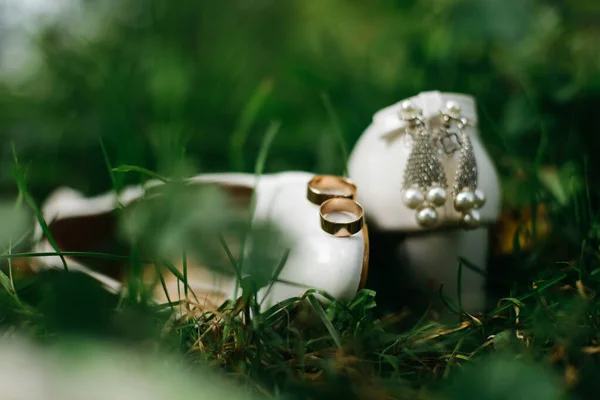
337, 265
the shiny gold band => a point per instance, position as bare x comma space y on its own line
343, 206
325, 187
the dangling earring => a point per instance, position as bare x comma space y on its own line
467, 198
424, 178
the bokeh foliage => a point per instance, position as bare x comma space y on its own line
158, 80
191, 86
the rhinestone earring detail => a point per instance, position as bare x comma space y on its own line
467, 198
424, 178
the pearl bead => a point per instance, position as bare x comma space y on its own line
479, 199
470, 219
408, 106
427, 217
464, 201
453, 108
409, 111
413, 198
436, 196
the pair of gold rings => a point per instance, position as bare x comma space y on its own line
340, 214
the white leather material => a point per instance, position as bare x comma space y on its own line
316, 259
378, 160
376, 166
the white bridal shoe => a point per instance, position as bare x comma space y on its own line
427, 256
316, 259
414, 256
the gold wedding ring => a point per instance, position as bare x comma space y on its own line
325, 187
341, 206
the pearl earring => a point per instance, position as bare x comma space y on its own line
424, 178
467, 198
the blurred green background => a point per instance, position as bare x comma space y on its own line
185, 87
190, 86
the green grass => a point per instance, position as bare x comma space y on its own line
545, 323
191, 89
541, 336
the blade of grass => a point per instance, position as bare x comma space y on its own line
230, 256
10, 266
82, 254
276, 275
469, 265
143, 171
20, 240
265, 147
135, 283
111, 174
449, 303
22, 186
164, 286
259, 166
136, 278
8, 283
180, 277
248, 116
459, 285
185, 274
337, 339
335, 124
520, 299
450, 360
